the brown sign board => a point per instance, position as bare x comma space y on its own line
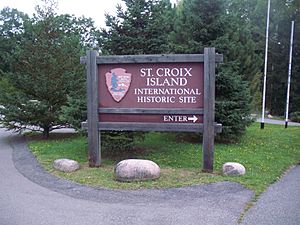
151, 93
168, 85
151, 86
158, 118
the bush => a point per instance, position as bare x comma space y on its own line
232, 109
115, 142
232, 105
295, 117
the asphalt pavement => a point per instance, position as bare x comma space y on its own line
280, 204
278, 122
31, 196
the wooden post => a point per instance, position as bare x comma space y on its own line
209, 109
94, 150
209, 128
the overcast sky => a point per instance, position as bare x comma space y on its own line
88, 8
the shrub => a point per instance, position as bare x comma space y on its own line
116, 142
295, 117
232, 105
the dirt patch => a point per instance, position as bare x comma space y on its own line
53, 136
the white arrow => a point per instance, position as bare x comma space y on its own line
194, 118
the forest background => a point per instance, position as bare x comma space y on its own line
42, 84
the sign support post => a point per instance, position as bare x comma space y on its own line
209, 109
94, 145
151, 93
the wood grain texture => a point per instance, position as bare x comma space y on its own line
92, 109
209, 110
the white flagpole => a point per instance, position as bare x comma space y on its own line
289, 77
262, 124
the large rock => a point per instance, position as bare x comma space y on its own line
66, 165
136, 170
233, 169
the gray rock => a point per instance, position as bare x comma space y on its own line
66, 165
136, 170
233, 169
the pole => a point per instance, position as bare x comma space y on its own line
94, 151
209, 110
289, 77
262, 124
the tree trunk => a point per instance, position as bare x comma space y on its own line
46, 132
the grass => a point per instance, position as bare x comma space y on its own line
266, 154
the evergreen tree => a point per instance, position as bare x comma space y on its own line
202, 23
281, 15
44, 71
11, 29
143, 27
232, 104
283, 12
198, 24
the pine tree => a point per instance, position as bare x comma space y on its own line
280, 31
44, 71
142, 28
11, 29
203, 23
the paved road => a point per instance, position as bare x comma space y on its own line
40, 199
280, 204
30, 196
279, 122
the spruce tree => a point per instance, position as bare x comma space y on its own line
143, 27
11, 29
44, 71
203, 23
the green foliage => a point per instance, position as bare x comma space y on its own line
142, 28
281, 15
44, 73
74, 112
295, 117
198, 23
240, 50
181, 162
114, 143
11, 29
38, 49
232, 105
201, 23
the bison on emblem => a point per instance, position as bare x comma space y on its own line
118, 82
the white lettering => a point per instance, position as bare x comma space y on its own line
187, 99
170, 82
174, 72
158, 72
175, 118
156, 99
146, 72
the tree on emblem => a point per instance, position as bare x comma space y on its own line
118, 83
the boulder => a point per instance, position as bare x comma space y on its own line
136, 170
66, 165
233, 169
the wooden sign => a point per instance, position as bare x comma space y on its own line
151, 93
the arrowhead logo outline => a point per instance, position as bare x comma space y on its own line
118, 83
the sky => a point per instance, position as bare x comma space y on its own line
95, 9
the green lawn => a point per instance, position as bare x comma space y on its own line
266, 154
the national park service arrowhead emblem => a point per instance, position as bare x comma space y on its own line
118, 83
